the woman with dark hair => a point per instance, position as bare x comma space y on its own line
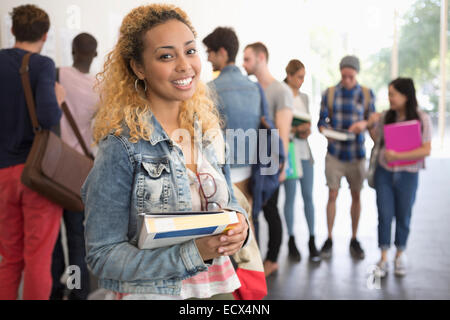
396, 185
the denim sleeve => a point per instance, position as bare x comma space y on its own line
107, 195
47, 108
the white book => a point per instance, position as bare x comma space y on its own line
301, 115
338, 135
166, 229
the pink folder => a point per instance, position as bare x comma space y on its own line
402, 136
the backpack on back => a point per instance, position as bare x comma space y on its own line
330, 101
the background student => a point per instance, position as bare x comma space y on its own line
29, 223
295, 75
81, 101
396, 186
279, 99
347, 108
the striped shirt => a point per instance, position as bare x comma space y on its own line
348, 108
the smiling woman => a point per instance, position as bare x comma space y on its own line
141, 53
169, 65
150, 89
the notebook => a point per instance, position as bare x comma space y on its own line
402, 136
293, 168
169, 228
300, 117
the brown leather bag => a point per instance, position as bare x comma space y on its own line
54, 169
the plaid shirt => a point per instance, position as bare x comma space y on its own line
348, 108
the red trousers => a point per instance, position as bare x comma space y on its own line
29, 226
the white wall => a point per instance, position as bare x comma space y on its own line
280, 27
340, 27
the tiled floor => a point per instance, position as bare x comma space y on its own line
342, 277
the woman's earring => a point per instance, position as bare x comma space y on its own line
136, 85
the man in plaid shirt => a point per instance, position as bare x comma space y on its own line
349, 110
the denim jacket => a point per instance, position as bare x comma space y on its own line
133, 178
239, 104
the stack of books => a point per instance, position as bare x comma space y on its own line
169, 228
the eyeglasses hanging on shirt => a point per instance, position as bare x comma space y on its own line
208, 189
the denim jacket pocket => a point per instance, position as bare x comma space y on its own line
154, 189
155, 169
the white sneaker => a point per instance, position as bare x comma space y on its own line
381, 269
400, 266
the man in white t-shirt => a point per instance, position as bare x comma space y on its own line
81, 101
280, 103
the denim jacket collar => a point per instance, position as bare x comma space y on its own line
158, 133
230, 68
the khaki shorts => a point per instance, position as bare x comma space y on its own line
354, 172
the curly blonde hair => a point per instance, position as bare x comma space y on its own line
120, 103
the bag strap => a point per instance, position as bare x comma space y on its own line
380, 136
367, 97
73, 124
25, 77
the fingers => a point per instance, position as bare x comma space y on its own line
227, 240
208, 247
230, 249
233, 240
224, 244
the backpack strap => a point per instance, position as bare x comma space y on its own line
330, 102
367, 97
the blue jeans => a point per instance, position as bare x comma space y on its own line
396, 193
290, 187
73, 222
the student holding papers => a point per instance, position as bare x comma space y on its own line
160, 152
404, 143
344, 112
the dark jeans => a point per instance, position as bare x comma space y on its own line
73, 222
275, 227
